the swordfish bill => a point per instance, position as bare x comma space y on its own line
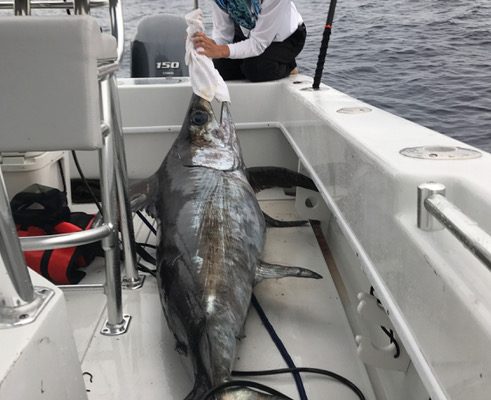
211, 233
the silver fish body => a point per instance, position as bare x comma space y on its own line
212, 234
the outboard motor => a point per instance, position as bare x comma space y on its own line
159, 47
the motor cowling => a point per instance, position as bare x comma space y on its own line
159, 47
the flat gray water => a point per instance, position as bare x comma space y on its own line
426, 60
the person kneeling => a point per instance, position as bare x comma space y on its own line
253, 39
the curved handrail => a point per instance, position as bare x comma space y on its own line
66, 239
432, 204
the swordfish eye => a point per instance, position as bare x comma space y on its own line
199, 117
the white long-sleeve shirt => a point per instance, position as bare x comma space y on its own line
276, 22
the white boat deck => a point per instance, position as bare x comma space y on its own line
307, 315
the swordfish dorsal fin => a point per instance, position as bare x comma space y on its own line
142, 194
266, 270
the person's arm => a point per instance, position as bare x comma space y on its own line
223, 26
273, 14
207, 46
222, 34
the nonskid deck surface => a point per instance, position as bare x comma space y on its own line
307, 315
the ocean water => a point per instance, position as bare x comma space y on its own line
426, 60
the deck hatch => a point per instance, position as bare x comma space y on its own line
440, 153
354, 110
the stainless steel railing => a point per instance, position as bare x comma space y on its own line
435, 212
17, 296
26, 6
20, 287
65, 240
19, 301
81, 7
117, 24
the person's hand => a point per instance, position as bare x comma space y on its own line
206, 46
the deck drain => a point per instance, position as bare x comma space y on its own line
354, 110
440, 153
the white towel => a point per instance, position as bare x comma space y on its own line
206, 81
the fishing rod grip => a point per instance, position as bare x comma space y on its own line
324, 45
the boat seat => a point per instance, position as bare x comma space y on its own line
59, 93
49, 82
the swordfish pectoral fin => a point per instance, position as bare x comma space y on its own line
266, 270
143, 193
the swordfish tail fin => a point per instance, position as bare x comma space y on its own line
261, 178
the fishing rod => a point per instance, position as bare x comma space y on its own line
324, 44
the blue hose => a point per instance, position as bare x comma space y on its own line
280, 346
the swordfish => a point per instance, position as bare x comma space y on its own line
211, 233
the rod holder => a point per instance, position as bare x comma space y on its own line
426, 221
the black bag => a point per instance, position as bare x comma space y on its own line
40, 206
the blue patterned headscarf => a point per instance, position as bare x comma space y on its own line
242, 12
